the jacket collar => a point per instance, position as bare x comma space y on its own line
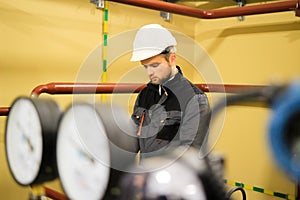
168, 83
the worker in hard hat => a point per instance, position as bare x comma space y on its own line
170, 110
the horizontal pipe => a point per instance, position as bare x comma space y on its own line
86, 88
109, 88
292, 5
4, 111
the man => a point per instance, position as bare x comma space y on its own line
170, 111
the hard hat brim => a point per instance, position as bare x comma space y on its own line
144, 54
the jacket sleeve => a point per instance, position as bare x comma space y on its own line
195, 122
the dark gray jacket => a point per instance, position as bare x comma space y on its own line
179, 116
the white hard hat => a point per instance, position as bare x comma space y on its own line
151, 40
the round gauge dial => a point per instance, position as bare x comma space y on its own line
83, 155
29, 139
180, 173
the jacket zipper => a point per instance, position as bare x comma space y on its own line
139, 133
165, 91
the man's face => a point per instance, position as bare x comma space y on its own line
158, 68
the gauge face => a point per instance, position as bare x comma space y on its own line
24, 142
168, 182
83, 155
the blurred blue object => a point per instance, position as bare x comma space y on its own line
284, 130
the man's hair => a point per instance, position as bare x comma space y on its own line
168, 51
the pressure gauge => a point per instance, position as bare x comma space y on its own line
84, 151
178, 174
30, 138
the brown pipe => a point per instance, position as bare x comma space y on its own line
54, 194
108, 88
86, 88
4, 111
292, 5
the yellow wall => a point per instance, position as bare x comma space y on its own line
58, 41
260, 50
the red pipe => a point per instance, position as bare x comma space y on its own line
54, 194
86, 88
108, 88
4, 111
292, 5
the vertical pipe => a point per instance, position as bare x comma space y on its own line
104, 47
